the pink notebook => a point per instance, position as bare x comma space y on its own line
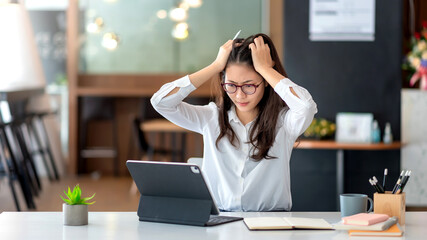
365, 219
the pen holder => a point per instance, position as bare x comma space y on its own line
393, 205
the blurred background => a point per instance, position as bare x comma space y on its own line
76, 78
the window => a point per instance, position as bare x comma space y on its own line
145, 41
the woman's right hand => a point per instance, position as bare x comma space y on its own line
223, 54
217, 66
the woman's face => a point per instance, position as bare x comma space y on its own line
241, 74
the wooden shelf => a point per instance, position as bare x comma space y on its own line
130, 92
126, 85
318, 144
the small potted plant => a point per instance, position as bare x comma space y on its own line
320, 129
75, 208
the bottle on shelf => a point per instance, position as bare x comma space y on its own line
376, 132
388, 136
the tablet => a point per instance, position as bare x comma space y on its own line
174, 193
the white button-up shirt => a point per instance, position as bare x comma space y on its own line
238, 183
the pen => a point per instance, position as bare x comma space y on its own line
385, 176
398, 181
237, 34
405, 181
373, 185
378, 185
399, 186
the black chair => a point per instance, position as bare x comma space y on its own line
9, 173
35, 132
23, 146
16, 163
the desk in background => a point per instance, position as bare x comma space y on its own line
341, 147
163, 126
125, 225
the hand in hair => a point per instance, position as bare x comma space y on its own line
261, 55
222, 57
217, 66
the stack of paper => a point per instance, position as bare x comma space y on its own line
393, 231
365, 224
365, 219
374, 227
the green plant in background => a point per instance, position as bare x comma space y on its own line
74, 197
61, 79
320, 128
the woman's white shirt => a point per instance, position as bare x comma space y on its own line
238, 183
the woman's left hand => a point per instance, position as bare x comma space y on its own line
261, 55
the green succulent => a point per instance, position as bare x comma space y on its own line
74, 197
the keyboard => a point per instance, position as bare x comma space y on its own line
216, 220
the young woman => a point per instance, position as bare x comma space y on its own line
250, 131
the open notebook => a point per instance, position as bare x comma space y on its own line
279, 223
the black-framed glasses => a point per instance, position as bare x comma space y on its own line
246, 88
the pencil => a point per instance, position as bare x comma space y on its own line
385, 176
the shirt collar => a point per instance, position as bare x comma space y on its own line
232, 115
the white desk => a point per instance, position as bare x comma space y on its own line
125, 226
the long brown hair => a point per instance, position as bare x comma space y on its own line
263, 130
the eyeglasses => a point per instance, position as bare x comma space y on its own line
246, 88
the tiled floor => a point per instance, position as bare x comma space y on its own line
112, 194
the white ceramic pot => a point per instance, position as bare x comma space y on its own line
75, 215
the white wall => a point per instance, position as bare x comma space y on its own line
414, 138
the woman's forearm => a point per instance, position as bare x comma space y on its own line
200, 77
273, 77
203, 75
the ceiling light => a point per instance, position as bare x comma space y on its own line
184, 5
162, 14
194, 3
178, 14
95, 26
180, 31
110, 41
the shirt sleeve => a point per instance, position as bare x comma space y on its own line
301, 110
173, 108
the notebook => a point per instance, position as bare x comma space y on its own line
393, 231
374, 227
174, 193
365, 219
279, 223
